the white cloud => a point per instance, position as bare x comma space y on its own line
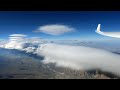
80, 57
17, 35
15, 45
30, 49
20, 42
16, 38
55, 29
16, 41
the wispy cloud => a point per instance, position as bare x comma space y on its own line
55, 29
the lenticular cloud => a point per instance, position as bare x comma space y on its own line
55, 29
18, 35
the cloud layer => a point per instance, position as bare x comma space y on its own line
55, 29
80, 57
74, 57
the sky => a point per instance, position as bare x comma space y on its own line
83, 22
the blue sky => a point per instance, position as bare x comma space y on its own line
85, 23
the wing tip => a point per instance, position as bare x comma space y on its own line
98, 27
